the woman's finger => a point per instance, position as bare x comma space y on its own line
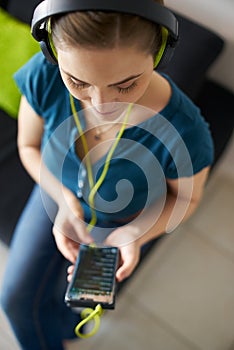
66, 246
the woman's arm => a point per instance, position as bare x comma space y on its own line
183, 197
69, 220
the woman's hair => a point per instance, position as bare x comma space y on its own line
107, 30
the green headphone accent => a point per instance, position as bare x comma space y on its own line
162, 48
49, 29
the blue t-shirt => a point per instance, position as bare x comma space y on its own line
175, 143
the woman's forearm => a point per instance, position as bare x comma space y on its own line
182, 199
153, 224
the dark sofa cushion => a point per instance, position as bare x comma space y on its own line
15, 183
21, 9
197, 49
217, 104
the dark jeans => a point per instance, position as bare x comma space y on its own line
34, 284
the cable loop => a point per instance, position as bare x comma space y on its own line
88, 315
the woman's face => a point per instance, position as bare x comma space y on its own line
98, 77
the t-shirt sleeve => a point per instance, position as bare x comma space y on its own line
32, 80
192, 151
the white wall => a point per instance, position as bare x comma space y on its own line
217, 15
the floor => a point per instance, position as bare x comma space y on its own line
183, 295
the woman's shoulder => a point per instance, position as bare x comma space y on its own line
35, 64
36, 71
38, 80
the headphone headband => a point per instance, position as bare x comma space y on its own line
147, 9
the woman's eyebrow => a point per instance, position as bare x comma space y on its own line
113, 84
127, 79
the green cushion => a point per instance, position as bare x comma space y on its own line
16, 47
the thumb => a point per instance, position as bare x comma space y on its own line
124, 270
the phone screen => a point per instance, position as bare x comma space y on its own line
93, 281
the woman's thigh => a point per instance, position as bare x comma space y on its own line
31, 249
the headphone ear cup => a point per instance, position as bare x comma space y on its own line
166, 50
166, 57
47, 51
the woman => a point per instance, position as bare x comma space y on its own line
120, 108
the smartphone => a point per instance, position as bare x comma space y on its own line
93, 281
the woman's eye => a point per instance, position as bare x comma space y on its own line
76, 85
125, 90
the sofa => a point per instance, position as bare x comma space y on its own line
198, 48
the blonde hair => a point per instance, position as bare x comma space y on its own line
98, 29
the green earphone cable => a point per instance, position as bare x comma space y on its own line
86, 151
89, 314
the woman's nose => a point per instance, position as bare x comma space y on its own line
100, 97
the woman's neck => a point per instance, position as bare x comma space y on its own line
158, 93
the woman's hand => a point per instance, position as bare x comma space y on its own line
66, 246
69, 227
125, 238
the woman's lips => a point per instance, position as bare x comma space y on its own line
105, 113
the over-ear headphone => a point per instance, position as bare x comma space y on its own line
147, 9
